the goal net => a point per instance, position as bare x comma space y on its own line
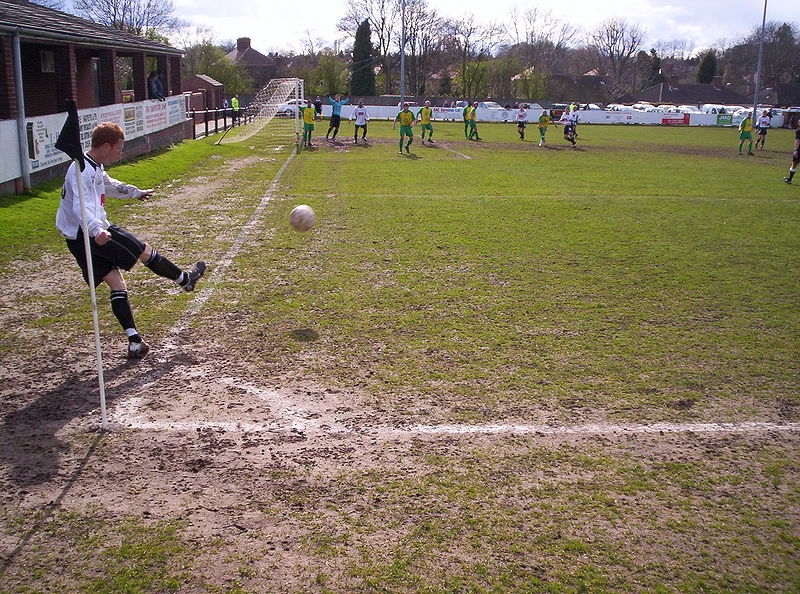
273, 114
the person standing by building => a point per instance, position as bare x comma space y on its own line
763, 123
425, 116
336, 114
361, 117
153, 85
112, 248
235, 107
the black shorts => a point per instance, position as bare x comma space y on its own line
569, 130
335, 121
762, 131
122, 251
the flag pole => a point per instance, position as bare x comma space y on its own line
90, 272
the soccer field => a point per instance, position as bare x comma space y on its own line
490, 367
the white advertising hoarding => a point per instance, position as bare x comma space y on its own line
136, 119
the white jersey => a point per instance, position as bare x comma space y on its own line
360, 115
763, 122
569, 118
96, 186
522, 116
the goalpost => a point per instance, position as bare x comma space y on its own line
274, 114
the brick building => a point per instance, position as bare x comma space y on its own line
260, 68
61, 57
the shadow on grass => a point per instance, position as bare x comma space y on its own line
304, 335
28, 441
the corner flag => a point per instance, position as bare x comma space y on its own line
69, 141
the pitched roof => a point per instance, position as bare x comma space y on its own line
39, 22
250, 57
688, 93
206, 78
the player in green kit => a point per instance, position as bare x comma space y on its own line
406, 119
465, 113
309, 115
746, 133
424, 116
472, 121
544, 122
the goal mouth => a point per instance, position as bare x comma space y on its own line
273, 114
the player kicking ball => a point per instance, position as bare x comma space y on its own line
113, 248
406, 119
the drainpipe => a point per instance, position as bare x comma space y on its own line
22, 135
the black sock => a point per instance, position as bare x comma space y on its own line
791, 175
163, 267
122, 311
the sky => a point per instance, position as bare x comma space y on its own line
281, 25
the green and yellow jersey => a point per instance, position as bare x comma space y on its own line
471, 113
406, 118
544, 121
425, 115
308, 114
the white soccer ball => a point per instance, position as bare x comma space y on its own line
302, 217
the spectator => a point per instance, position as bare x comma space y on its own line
154, 87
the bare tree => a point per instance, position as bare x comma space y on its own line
382, 16
55, 4
473, 44
613, 47
133, 16
540, 37
424, 38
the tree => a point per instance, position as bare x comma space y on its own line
540, 38
613, 46
382, 17
424, 41
648, 69
131, 16
473, 44
54, 4
329, 77
207, 58
362, 79
707, 67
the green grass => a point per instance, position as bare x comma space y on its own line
552, 278
27, 221
650, 276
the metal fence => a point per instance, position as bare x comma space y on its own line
212, 121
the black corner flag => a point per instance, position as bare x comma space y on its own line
69, 140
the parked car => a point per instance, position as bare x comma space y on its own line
489, 105
289, 109
688, 109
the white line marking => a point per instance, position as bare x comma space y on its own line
291, 418
558, 197
196, 304
447, 148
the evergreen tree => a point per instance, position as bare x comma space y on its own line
362, 80
707, 67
